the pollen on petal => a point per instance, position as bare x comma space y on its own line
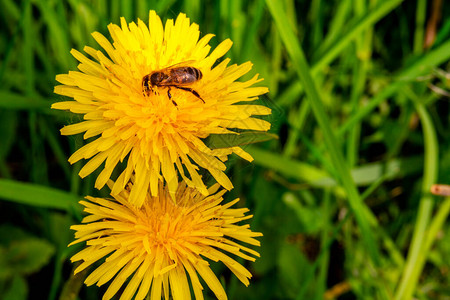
152, 250
162, 130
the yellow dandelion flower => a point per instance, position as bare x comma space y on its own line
152, 99
156, 248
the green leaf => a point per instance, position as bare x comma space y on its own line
17, 289
362, 175
59, 232
20, 253
288, 167
16, 101
217, 141
311, 217
9, 234
293, 266
37, 195
28, 255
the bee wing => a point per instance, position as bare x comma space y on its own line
181, 64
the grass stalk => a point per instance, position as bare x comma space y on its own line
417, 252
297, 56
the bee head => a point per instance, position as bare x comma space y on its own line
157, 78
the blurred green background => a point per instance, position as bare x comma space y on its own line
360, 97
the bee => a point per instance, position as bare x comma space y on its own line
179, 77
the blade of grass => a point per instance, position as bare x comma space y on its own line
250, 35
236, 23
354, 28
49, 66
38, 171
56, 147
276, 61
422, 66
296, 89
28, 49
34, 102
363, 54
315, 15
289, 167
9, 123
290, 94
192, 9
294, 133
391, 248
75, 180
291, 14
362, 175
59, 38
353, 141
114, 11
126, 9
323, 160
435, 227
101, 10
338, 22
417, 253
444, 32
223, 26
163, 6
297, 56
142, 8
9, 51
11, 10
421, 12
57, 276
336, 43
333, 232
37, 195
403, 122
324, 240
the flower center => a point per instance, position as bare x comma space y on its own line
165, 228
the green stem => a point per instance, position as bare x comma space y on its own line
436, 225
417, 252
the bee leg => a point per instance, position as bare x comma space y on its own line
145, 89
170, 97
194, 92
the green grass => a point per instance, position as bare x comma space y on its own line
342, 195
